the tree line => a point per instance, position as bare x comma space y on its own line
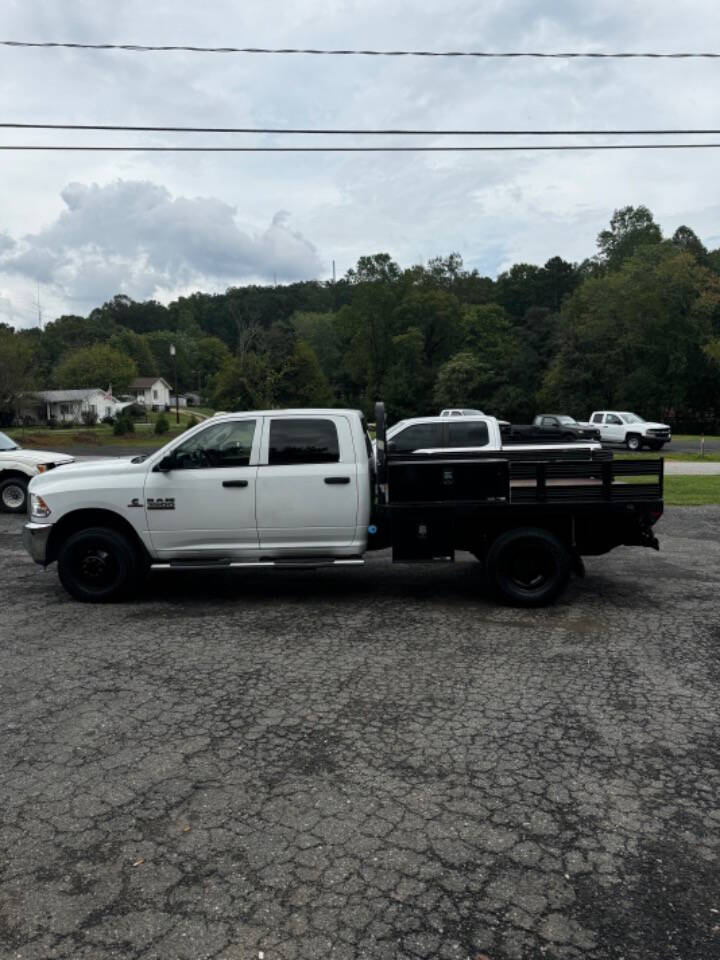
635, 327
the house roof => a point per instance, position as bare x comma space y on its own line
61, 396
144, 383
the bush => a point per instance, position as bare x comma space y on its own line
110, 421
192, 422
123, 424
161, 424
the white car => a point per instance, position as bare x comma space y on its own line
621, 426
461, 412
18, 467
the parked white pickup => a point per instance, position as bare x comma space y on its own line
479, 433
18, 467
618, 426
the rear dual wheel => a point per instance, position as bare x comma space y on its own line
528, 567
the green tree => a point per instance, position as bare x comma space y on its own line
208, 355
244, 383
437, 315
96, 366
635, 338
302, 383
17, 373
408, 381
687, 240
630, 229
137, 347
461, 382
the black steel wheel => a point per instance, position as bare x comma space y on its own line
528, 567
13, 495
98, 565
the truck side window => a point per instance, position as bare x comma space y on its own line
418, 437
611, 418
468, 435
549, 422
303, 441
226, 444
597, 418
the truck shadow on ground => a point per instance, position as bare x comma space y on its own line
462, 582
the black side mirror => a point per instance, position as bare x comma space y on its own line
167, 464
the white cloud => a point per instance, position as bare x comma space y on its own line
134, 237
166, 222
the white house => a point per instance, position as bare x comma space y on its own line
71, 406
152, 392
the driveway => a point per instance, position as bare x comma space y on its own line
365, 764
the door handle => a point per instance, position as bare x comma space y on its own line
234, 483
337, 479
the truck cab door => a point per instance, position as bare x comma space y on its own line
307, 485
613, 428
201, 502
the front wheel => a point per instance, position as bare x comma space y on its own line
633, 442
98, 565
13, 495
528, 567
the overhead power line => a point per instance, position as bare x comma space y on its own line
347, 131
331, 149
481, 54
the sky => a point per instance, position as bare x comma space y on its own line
75, 229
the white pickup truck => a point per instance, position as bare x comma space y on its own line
303, 489
621, 426
18, 467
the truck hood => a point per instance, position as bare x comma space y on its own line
35, 457
650, 425
107, 466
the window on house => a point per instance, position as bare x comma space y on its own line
155, 394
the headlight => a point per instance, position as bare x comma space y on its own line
42, 467
39, 510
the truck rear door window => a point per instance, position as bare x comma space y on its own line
303, 441
420, 436
466, 434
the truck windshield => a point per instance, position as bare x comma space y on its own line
568, 420
7, 444
632, 418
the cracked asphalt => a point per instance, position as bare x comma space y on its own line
373, 763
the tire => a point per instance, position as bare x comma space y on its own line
13, 495
527, 567
633, 442
99, 565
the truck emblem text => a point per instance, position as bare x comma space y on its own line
162, 503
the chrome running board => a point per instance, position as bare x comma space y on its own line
281, 563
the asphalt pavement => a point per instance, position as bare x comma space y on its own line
371, 763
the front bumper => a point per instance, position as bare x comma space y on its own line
35, 541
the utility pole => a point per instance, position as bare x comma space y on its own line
333, 271
177, 396
39, 307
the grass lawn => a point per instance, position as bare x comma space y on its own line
102, 435
667, 455
691, 491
